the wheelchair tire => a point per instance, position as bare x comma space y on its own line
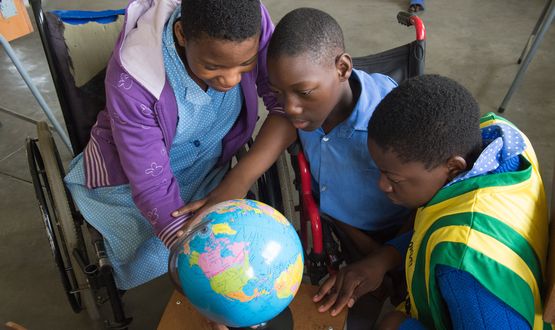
286, 187
69, 233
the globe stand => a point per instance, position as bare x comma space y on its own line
284, 321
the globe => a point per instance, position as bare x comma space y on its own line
241, 264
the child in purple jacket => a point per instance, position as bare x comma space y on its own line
181, 99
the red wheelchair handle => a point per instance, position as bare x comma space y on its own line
409, 19
309, 205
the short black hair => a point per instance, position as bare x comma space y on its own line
232, 20
428, 119
307, 31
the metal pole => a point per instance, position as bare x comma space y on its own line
535, 31
528, 58
38, 96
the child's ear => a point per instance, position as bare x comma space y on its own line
179, 35
344, 66
455, 165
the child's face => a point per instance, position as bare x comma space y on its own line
218, 63
407, 184
309, 91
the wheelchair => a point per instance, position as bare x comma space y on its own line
326, 246
78, 69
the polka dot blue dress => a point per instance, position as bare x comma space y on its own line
204, 119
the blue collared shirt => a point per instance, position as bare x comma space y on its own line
345, 178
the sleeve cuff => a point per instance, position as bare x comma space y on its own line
401, 243
168, 235
411, 324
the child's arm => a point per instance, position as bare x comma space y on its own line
362, 241
470, 303
275, 136
356, 279
142, 151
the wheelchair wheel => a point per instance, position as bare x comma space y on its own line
287, 190
64, 234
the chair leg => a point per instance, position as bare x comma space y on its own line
550, 14
535, 31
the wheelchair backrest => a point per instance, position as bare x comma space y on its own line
399, 63
77, 47
402, 62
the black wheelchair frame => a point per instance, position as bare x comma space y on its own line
84, 268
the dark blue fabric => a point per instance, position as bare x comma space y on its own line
401, 244
417, 2
77, 17
411, 324
470, 305
510, 165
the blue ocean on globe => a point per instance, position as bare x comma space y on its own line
242, 264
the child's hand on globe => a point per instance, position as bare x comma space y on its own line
199, 206
232, 187
196, 208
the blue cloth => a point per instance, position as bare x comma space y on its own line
470, 305
8, 9
195, 151
77, 17
345, 178
412, 324
417, 2
401, 244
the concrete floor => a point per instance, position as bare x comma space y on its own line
475, 42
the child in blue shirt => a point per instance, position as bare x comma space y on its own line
330, 104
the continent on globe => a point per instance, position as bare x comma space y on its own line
289, 280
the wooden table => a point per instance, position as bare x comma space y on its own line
180, 314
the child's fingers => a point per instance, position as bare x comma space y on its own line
14, 326
324, 289
217, 326
360, 291
332, 294
189, 223
328, 301
191, 207
344, 296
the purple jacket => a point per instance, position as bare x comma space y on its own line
131, 140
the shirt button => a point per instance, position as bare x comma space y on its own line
325, 139
196, 143
324, 188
